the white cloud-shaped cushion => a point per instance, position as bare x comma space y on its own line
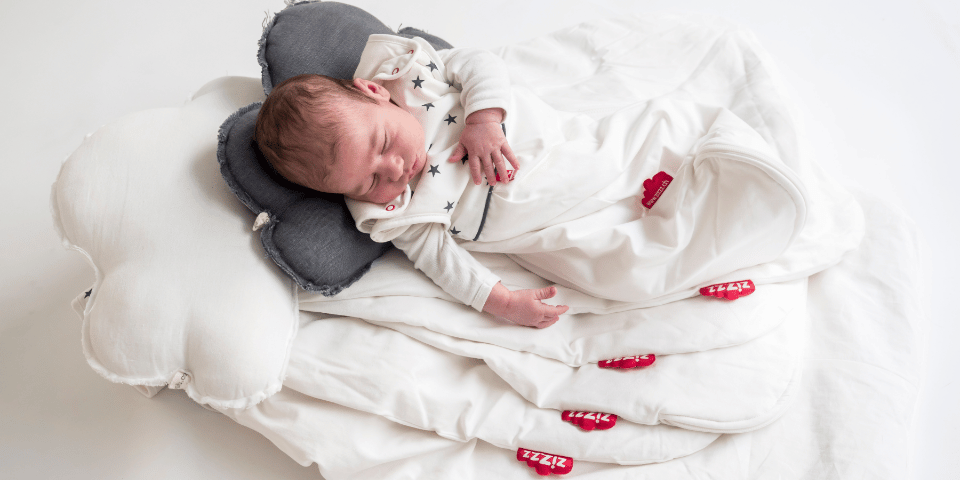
183, 290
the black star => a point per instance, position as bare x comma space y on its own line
431, 146
432, 66
417, 83
450, 119
454, 231
448, 207
434, 170
428, 105
87, 293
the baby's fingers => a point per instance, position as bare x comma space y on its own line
501, 167
546, 323
488, 169
458, 153
553, 310
544, 293
475, 167
508, 154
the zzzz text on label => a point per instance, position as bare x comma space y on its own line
636, 361
544, 463
590, 420
729, 290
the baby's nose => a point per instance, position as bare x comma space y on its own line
396, 168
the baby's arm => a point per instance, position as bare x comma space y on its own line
435, 253
485, 85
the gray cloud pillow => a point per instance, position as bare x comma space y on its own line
310, 235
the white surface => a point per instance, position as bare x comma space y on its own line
878, 82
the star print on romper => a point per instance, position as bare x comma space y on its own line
454, 231
417, 83
448, 207
450, 119
434, 170
427, 105
432, 66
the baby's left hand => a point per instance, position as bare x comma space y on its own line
482, 140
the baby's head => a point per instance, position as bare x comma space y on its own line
340, 136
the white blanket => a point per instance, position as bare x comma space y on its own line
849, 418
722, 366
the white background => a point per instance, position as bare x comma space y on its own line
879, 80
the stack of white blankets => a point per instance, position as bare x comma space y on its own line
394, 351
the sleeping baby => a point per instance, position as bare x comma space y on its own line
437, 152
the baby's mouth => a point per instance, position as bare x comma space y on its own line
417, 164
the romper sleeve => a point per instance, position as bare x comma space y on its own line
482, 77
435, 253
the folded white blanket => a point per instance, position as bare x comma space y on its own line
850, 418
395, 293
356, 364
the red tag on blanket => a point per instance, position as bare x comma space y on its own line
509, 175
590, 420
544, 463
636, 361
654, 187
729, 290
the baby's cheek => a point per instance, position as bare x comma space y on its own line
386, 194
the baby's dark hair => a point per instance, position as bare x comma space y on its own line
301, 120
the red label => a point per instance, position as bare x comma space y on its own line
391, 207
544, 463
654, 187
729, 290
636, 361
509, 175
590, 420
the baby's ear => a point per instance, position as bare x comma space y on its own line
372, 89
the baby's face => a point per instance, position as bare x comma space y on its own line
383, 152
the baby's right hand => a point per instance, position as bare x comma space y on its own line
483, 144
525, 307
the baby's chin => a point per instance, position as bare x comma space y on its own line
380, 199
